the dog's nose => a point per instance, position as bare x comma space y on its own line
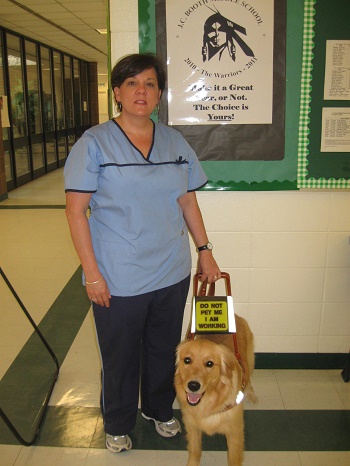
194, 386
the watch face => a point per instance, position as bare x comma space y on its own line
205, 247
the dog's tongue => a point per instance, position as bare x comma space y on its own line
193, 398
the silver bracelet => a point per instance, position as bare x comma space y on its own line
94, 283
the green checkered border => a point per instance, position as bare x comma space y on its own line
306, 78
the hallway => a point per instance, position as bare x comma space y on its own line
302, 419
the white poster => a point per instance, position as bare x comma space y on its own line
337, 73
220, 61
335, 129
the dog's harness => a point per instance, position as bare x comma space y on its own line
190, 336
239, 399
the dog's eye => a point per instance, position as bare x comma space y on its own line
187, 360
209, 364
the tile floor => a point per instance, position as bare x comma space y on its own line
302, 419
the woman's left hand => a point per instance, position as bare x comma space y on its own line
208, 267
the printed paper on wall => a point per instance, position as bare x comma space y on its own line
220, 61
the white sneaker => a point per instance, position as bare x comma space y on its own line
118, 443
165, 429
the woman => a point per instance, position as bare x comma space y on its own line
138, 178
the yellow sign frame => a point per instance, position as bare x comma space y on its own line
213, 314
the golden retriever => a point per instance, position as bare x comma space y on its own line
208, 382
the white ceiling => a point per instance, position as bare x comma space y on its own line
66, 25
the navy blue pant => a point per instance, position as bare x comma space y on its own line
137, 336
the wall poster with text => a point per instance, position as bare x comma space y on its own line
220, 61
226, 64
245, 46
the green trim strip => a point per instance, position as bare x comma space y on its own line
147, 26
308, 44
313, 361
253, 186
275, 430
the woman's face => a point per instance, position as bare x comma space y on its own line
139, 94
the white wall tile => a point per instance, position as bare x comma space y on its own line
301, 319
124, 16
286, 344
340, 211
289, 249
286, 285
335, 319
291, 211
338, 249
337, 285
123, 43
329, 344
226, 211
240, 282
241, 309
232, 249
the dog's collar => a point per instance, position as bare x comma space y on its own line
239, 399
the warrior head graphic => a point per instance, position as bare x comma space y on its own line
221, 33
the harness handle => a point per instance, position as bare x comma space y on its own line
203, 290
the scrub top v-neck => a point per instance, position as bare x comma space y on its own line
139, 235
127, 137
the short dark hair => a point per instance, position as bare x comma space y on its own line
134, 64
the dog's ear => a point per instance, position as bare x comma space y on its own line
228, 364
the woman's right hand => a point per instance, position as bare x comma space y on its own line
98, 292
76, 207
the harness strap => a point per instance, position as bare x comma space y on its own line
211, 292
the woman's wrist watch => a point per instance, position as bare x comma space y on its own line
205, 246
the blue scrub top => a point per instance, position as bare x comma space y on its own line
139, 235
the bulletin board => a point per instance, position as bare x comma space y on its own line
326, 22
255, 175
